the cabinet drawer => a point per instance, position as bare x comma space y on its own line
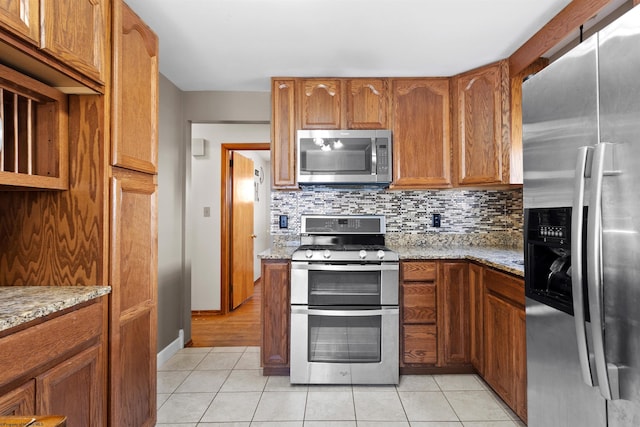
38, 345
419, 271
419, 344
419, 302
508, 287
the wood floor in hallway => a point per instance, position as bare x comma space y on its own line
241, 327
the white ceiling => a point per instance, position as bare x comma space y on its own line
238, 45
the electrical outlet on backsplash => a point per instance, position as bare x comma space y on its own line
468, 217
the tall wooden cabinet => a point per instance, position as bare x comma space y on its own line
102, 230
421, 140
133, 244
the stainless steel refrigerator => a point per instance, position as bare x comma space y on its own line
581, 140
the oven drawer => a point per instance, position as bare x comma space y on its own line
336, 345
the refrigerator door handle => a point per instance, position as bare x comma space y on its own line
577, 224
606, 373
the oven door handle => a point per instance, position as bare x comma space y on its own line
344, 313
346, 267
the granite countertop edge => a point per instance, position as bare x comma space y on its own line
23, 304
508, 260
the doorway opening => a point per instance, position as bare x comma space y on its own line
235, 238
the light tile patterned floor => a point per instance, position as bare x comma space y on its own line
224, 387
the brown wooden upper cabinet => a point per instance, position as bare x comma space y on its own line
135, 93
481, 144
367, 104
320, 103
22, 18
421, 141
82, 45
283, 133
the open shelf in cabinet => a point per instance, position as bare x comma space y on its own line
33, 133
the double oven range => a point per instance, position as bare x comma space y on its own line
344, 303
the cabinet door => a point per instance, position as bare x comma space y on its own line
476, 318
73, 389
81, 45
22, 17
135, 92
421, 141
320, 103
478, 146
454, 308
133, 324
367, 104
499, 361
283, 133
20, 401
275, 322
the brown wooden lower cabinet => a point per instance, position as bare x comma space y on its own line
73, 389
454, 311
275, 317
61, 369
505, 339
476, 317
19, 401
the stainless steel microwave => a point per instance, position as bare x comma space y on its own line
344, 157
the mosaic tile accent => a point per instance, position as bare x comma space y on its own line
470, 217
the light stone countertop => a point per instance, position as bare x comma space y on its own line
505, 259
22, 304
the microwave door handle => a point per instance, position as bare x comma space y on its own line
606, 373
374, 156
577, 224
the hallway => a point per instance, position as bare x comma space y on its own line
240, 328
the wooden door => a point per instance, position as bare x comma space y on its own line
241, 229
283, 133
73, 389
135, 93
454, 309
367, 104
22, 17
478, 147
82, 46
421, 139
320, 102
134, 282
19, 401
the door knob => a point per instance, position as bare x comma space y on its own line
253, 236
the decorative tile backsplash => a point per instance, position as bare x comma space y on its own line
477, 217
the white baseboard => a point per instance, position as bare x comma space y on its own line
166, 353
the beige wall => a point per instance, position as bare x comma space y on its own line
206, 107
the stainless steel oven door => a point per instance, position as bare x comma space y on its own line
338, 346
321, 284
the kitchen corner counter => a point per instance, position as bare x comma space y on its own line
22, 304
505, 259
